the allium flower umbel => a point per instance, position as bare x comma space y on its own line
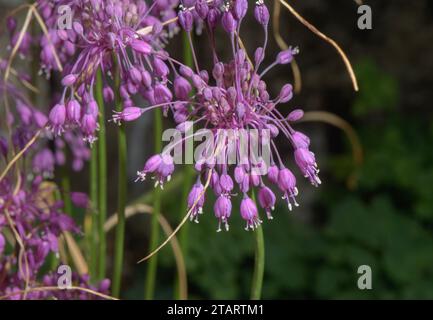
228, 101
127, 34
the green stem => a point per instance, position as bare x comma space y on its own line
102, 177
93, 234
66, 190
188, 177
259, 262
149, 289
121, 202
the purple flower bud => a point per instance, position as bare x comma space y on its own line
186, 71
182, 88
108, 94
141, 46
57, 118
245, 185
228, 22
80, 199
300, 140
202, 8
93, 108
128, 114
306, 162
226, 183
186, 20
249, 213
89, 125
213, 18
197, 81
240, 9
62, 34
273, 130
77, 27
167, 167
223, 209
135, 75
218, 71
162, 94
295, 115
286, 93
180, 116
197, 197
73, 111
240, 110
273, 174
146, 78
69, 80
267, 200
160, 68
286, 56
286, 180
204, 75
254, 179
259, 55
261, 13
239, 173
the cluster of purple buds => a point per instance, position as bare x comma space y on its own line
234, 98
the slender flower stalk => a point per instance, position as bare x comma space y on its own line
149, 290
122, 189
66, 188
259, 262
93, 235
102, 178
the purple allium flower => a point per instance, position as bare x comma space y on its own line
131, 31
231, 102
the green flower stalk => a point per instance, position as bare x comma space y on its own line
121, 191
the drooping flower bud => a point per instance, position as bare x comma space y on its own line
228, 22
306, 162
69, 80
73, 111
249, 213
57, 118
267, 200
141, 46
182, 88
223, 209
196, 200
286, 56
186, 20
295, 115
261, 13
202, 8
286, 93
